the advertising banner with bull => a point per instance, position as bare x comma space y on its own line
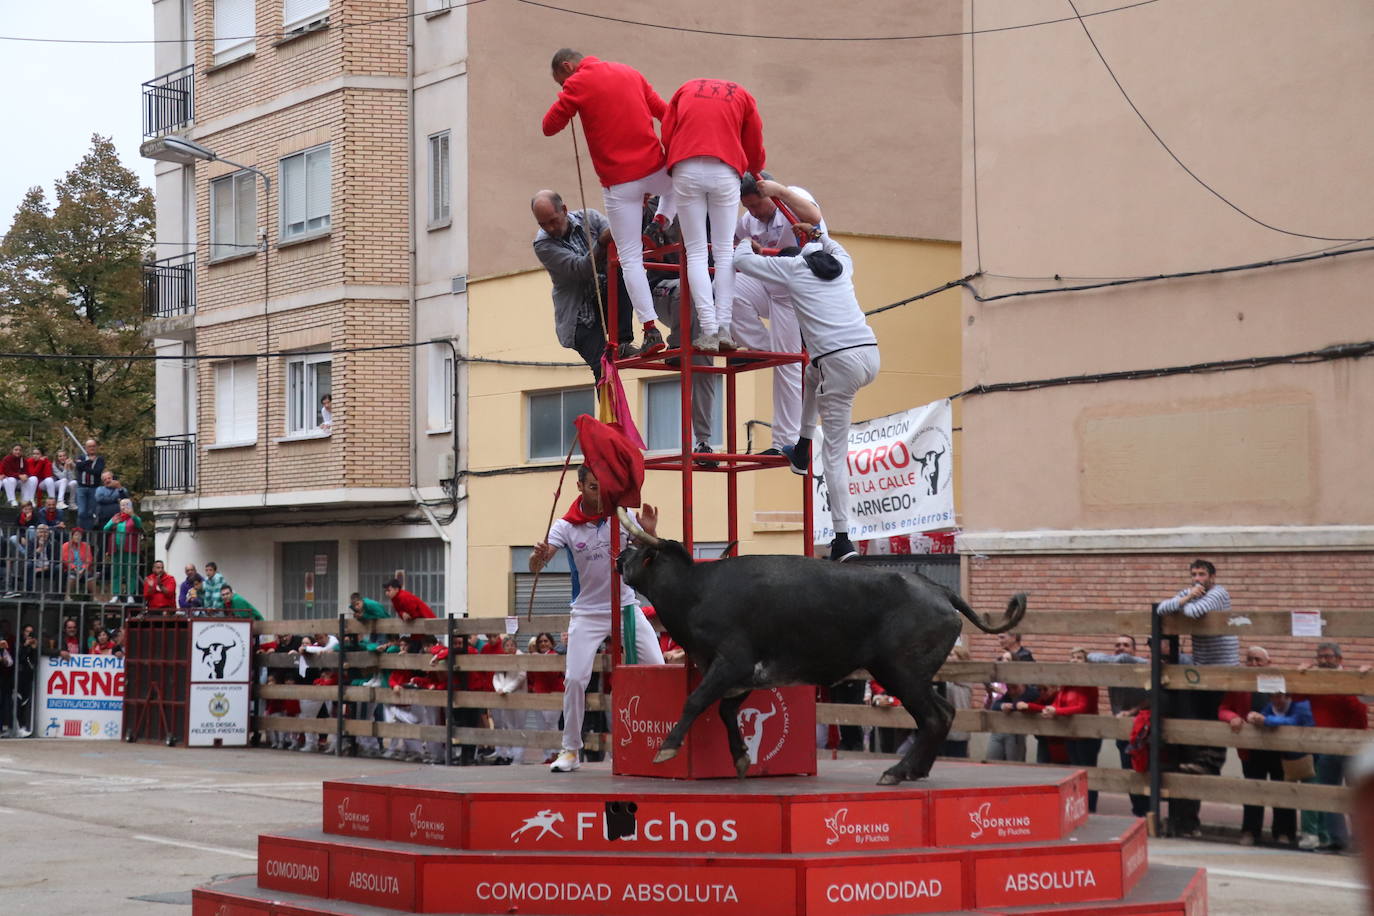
80, 697
901, 479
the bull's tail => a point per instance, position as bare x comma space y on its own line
1016, 609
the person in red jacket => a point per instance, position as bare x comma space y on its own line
713, 135
40, 473
618, 109
159, 589
407, 605
14, 472
1330, 830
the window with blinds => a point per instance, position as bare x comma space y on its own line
296, 13
236, 402
305, 193
233, 215
235, 28
438, 179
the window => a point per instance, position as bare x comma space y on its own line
235, 26
310, 580
663, 408
440, 388
551, 420
438, 179
236, 402
296, 13
305, 193
422, 560
233, 215
433, 6
554, 594
307, 381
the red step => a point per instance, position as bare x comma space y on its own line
1102, 860
1162, 891
840, 809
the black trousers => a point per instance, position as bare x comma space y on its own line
1140, 804
590, 342
1266, 765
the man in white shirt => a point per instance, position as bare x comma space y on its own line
764, 224
844, 358
585, 532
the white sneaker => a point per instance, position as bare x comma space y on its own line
24, 732
706, 343
62, 506
724, 341
1309, 841
565, 762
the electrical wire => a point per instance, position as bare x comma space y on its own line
1325, 354
715, 33
1181, 164
340, 27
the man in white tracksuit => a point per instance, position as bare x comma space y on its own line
765, 224
844, 358
585, 532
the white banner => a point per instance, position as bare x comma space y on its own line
218, 712
80, 697
900, 476
220, 651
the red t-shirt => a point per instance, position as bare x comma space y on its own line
159, 593
618, 108
409, 606
717, 118
1337, 710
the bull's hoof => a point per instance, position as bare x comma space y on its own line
889, 779
665, 754
742, 766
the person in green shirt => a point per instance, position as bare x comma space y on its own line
237, 604
366, 608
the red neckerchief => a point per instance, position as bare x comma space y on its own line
576, 515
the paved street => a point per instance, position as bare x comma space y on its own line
129, 829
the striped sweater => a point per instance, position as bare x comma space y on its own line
1207, 650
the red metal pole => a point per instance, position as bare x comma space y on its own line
732, 472
685, 367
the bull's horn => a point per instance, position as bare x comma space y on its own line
637, 532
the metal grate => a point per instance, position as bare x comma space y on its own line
169, 463
300, 567
421, 558
169, 286
169, 101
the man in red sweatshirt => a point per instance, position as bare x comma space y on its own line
618, 108
159, 589
1329, 830
713, 135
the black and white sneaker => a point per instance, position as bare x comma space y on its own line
799, 457
841, 549
702, 448
653, 342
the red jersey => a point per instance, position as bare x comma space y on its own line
13, 466
159, 593
717, 118
409, 606
618, 108
38, 467
545, 681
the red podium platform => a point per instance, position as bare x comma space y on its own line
973, 838
778, 726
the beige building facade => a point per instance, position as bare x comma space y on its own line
401, 142
1098, 493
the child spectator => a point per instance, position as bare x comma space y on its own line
64, 477
367, 608
40, 472
214, 583
122, 549
27, 518
407, 605
507, 683
76, 563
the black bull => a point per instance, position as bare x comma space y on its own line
764, 621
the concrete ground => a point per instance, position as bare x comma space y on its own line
114, 828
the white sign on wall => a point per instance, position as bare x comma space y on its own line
901, 477
221, 651
217, 712
80, 697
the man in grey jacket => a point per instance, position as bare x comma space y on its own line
576, 269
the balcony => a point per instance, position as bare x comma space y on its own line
169, 287
169, 463
169, 102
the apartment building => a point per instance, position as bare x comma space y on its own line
1098, 495
358, 176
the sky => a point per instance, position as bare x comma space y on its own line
55, 96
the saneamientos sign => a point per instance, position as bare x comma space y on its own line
900, 476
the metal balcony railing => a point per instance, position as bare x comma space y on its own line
169, 463
169, 286
169, 101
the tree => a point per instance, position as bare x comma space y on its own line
71, 284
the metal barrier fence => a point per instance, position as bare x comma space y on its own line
169, 101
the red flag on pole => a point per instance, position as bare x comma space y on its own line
616, 462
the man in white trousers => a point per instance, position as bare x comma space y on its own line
618, 109
764, 224
585, 532
713, 135
844, 358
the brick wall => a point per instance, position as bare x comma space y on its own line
1131, 582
